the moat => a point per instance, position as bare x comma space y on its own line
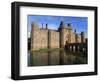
56, 57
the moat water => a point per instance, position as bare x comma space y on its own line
59, 57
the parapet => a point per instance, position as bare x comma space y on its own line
69, 26
35, 25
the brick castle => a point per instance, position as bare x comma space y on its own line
48, 38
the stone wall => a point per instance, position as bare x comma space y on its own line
54, 39
78, 38
35, 42
40, 39
73, 38
43, 34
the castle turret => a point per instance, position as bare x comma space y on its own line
61, 29
69, 31
82, 37
69, 26
34, 28
76, 37
62, 25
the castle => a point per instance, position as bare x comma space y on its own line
48, 38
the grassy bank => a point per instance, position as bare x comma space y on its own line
47, 49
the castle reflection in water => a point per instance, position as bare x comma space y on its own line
60, 57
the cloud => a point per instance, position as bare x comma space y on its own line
86, 35
29, 34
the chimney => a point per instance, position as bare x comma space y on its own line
46, 26
42, 25
75, 31
69, 25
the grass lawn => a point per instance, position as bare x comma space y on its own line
47, 49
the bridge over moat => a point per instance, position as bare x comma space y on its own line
76, 47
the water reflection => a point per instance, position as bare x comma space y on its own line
60, 57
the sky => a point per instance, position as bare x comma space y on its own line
78, 23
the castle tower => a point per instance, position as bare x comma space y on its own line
69, 28
76, 37
34, 27
61, 30
82, 37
